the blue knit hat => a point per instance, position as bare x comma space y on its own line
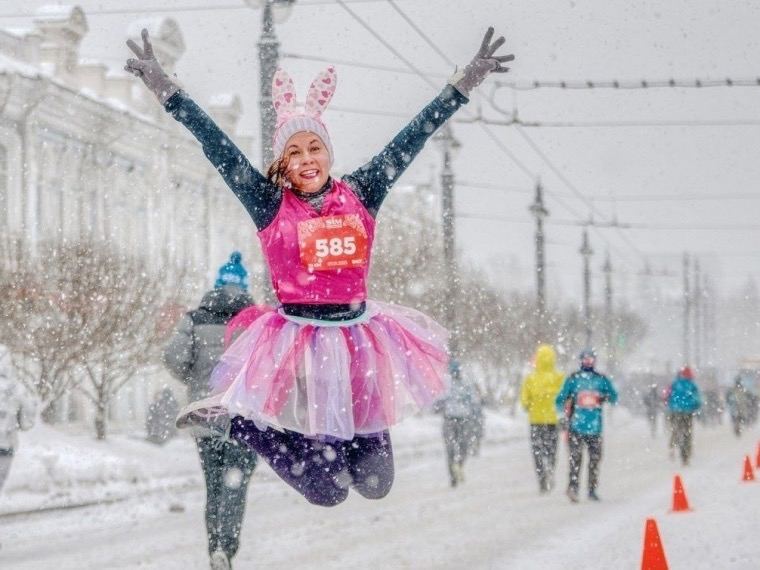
233, 273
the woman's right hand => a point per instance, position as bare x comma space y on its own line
147, 68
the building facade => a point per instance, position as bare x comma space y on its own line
87, 152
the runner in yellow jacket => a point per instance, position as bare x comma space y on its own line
537, 396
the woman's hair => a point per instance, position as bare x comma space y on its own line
277, 170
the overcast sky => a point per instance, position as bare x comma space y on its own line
711, 171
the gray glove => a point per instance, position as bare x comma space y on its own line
482, 64
147, 68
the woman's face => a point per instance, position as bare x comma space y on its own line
308, 162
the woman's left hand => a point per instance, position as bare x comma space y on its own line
485, 62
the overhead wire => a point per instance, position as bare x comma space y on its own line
629, 84
501, 145
197, 8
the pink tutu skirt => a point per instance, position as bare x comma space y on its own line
338, 379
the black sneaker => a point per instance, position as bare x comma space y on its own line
592, 496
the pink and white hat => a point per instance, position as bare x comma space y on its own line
291, 119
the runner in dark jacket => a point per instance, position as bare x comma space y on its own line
190, 356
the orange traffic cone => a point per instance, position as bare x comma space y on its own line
653, 557
757, 459
680, 502
749, 474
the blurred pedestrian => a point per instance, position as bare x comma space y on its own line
460, 411
162, 413
739, 403
586, 390
683, 402
190, 356
652, 405
538, 396
16, 412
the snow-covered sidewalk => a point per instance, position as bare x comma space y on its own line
58, 469
495, 520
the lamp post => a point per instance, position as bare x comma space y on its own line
269, 54
609, 341
449, 146
540, 212
586, 252
271, 11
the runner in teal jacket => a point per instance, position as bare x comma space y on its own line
585, 390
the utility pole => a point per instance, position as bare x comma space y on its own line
698, 324
686, 310
609, 341
710, 325
269, 56
449, 145
540, 212
586, 252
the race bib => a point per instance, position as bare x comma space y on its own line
333, 242
588, 399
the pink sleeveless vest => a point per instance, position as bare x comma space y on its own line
294, 278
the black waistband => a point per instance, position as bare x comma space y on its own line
332, 312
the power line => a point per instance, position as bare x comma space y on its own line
558, 172
386, 44
420, 33
501, 145
362, 65
696, 83
619, 124
198, 8
580, 195
427, 80
674, 197
691, 227
529, 123
625, 225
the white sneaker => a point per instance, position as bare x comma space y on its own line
207, 418
219, 561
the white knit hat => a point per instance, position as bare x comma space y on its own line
291, 120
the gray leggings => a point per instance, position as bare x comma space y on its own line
227, 469
6, 457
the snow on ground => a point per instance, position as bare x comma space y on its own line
496, 520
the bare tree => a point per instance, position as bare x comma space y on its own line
43, 319
138, 312
81, 315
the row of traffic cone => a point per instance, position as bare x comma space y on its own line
653, 556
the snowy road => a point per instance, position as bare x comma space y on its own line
496, 520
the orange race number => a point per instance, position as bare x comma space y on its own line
333, 242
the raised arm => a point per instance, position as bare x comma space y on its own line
259, 196
373, 180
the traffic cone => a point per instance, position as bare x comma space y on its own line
653, 557
757, 459
680, 502
749, 474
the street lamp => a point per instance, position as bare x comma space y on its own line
586, 252
272, 11
540, 212
449, 146
609, 341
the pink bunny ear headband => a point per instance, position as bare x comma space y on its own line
290, 119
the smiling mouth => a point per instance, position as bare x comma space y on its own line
309, 174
